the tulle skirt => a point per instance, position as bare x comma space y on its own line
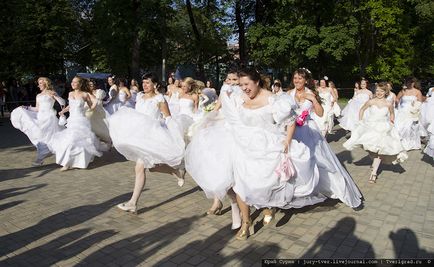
38, 126
77, 145
378, 137
350, 114
139, 137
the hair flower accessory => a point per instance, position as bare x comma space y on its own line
326, 78
307, 70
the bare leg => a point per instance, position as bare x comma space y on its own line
216, 207
244, 231
139, 184
375, 166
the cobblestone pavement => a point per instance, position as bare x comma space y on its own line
48, 217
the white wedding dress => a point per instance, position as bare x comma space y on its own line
39, 126
97, 118
141, 134
244, 150
407, 122
112, 104
350, 114
325, 123
77, 145
376, 134
334, 181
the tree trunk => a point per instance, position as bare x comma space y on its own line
241, 32
198, 38
135, 47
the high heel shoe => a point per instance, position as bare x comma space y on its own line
373, 178
268, 216
64, 168
244, 232
216, 211
128, 207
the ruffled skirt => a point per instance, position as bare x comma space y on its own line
77, 145
139, 137
378, 137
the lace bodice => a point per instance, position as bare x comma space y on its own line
149, 106
186, 106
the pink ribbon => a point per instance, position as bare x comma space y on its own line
301, 119
285, 170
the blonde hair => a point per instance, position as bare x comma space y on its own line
194, 87
384, 86
47, 82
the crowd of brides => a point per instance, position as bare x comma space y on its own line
261, 148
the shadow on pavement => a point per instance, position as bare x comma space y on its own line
336, 136
340, 240
367, 161
137, 248
49, 225
183, 194
406, 245
345, 156
10, 204
327, 205
10, 174
11, 192
59, 249
428, 159
199, 251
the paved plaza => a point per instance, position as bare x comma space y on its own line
48, 217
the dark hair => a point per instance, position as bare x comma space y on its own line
154, 79
367, 83
253, 75
123, 80
412, 82
307, 75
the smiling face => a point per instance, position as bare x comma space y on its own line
148, 86
249, 87
42, 84
299, 81
380, 93
363, 84
75, 83
185, 87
